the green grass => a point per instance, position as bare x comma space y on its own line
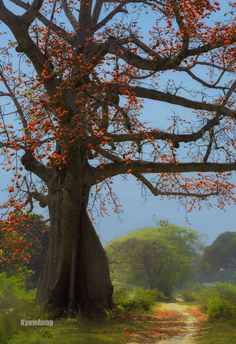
110, 330
79, 331
222, 331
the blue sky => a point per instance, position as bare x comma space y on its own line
138, 212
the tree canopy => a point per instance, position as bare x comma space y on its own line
219, 258
155, 257
82, 82
26, 246
76, 77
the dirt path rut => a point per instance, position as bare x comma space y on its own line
189, 329
170, 323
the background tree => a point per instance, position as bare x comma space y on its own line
78, 74
36, 233
219, 258
25, 246
157, 257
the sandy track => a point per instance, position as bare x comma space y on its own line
190, 328
171, 323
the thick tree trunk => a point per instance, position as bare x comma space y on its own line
76, 275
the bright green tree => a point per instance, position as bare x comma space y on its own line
155, 257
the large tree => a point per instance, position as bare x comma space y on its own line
155, 257
78, 74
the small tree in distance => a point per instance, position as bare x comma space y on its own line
219, 258
78, 74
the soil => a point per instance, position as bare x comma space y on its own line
170, 323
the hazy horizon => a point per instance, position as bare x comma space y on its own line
138, 212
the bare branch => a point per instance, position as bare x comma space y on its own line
46, 22
147, 93
15, 101
30, 15
160, 63
158, 192
155, 191
4, 94
160, 135
25, 44
209, 147
118, 9
70, 15
31, 164
200, 80
97, 11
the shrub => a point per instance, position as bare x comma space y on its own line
222, 290
12, 291
8, 326
187, 295
135, 298
220, 308
227, 291
16, 303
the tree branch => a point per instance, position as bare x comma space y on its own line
70, 15
140, 166
157, 192
118, 9
160, 135
200, 80
47, 22
42, 199
25, 44
30, 15
14, 99
97, 11
85, 20
159, 63
142, 92
31, 164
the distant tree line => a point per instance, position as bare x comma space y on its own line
168, 257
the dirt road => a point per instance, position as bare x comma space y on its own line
170, 323
189, 328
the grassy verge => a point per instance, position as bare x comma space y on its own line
222, 331
74, 331
17, 304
